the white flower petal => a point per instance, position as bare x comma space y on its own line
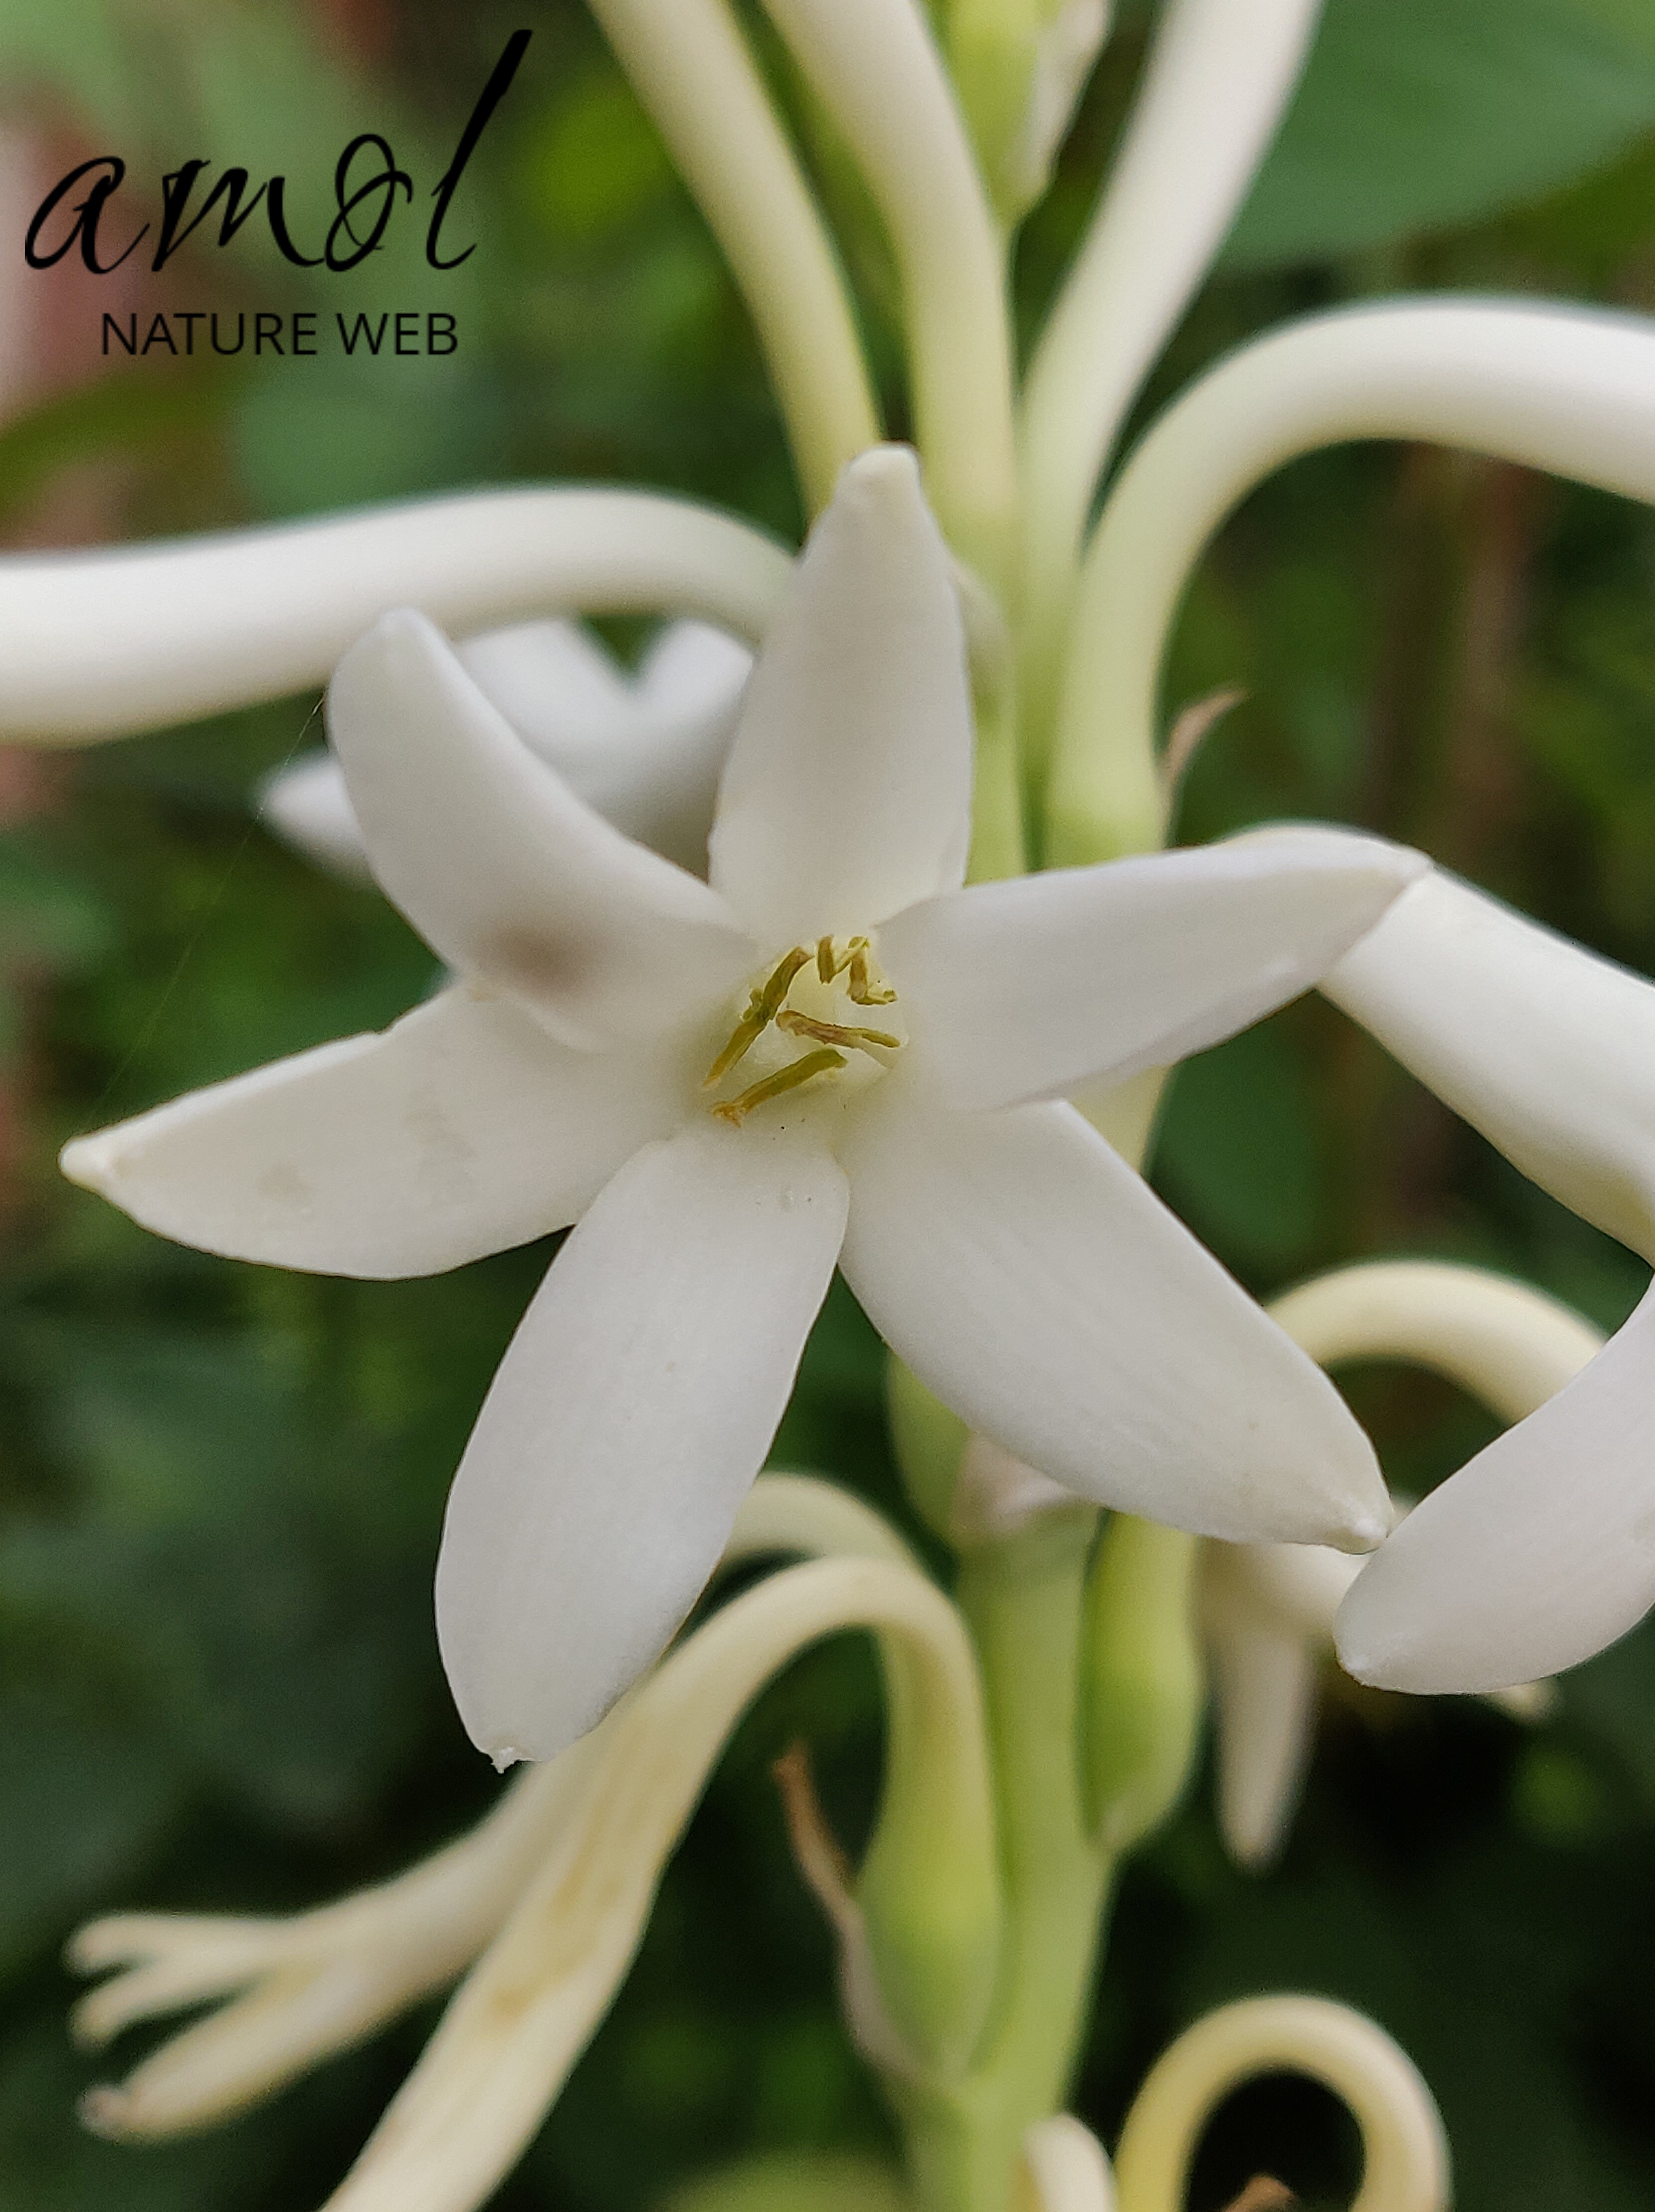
1035, 1284
633, 1409
847, 793
1547, 1049
1540, 1552
101, 644
307, 805
501, 868
1024, 989
462, 1129
1264, 1683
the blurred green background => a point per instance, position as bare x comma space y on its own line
221, 1488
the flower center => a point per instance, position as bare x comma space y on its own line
806, 998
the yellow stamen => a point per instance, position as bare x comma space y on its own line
761, 1011
862, 989
736, 1111
856, 1037
827, 965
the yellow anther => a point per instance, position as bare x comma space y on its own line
862, 989
842, 1033
826, 963
736, 1111
761, 1011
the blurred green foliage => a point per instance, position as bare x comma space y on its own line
221, 1488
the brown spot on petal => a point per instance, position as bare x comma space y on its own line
538, 967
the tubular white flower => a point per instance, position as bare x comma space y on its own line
103, 644
691, 67
641, 1393
1404, 2150
876, 68
1019, 68
1218, 76
520, 2021
644, 751
303, 1987
1558, 388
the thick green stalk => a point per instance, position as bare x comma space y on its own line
1023, 1599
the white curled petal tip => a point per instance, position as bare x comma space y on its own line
1030, 988
1405, 2165
846, 794
1064, 2168
501, 868
1545, 1048
1537, 1553
633, 1410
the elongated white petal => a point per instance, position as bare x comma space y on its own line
645, 755
1267, 1612
307, 805
847, 793
501, 868
1547, 1049
1218, 76
1025, 989
633, 1410
461, 1129
1538, 1553
102, 644
1560, 388
1034, 1283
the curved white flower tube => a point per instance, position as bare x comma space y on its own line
623, 1055
300, 1989
1064, 2168
876, 67
690, 67
1404, 2150
107, 643
1218, 76
523, 2017
1564, 389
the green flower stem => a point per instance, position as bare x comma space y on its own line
1024, 1600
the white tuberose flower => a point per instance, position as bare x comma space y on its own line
643, 750
713, 1080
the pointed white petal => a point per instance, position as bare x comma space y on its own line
308, 807
1547, 1049
1024, 989
1264, 1682
847, 793
646, 754
1537, 1553
633, 1408
501, 868
1036, 1285
462, 1129
100, 644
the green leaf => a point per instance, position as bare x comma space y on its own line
1416, 114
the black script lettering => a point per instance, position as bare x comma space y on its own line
241, 335
260, 334
433, 333
159, 335
87, 215
362, 331
383, 181
127, 339
448, 183
304, 326
175, 190
275, 207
